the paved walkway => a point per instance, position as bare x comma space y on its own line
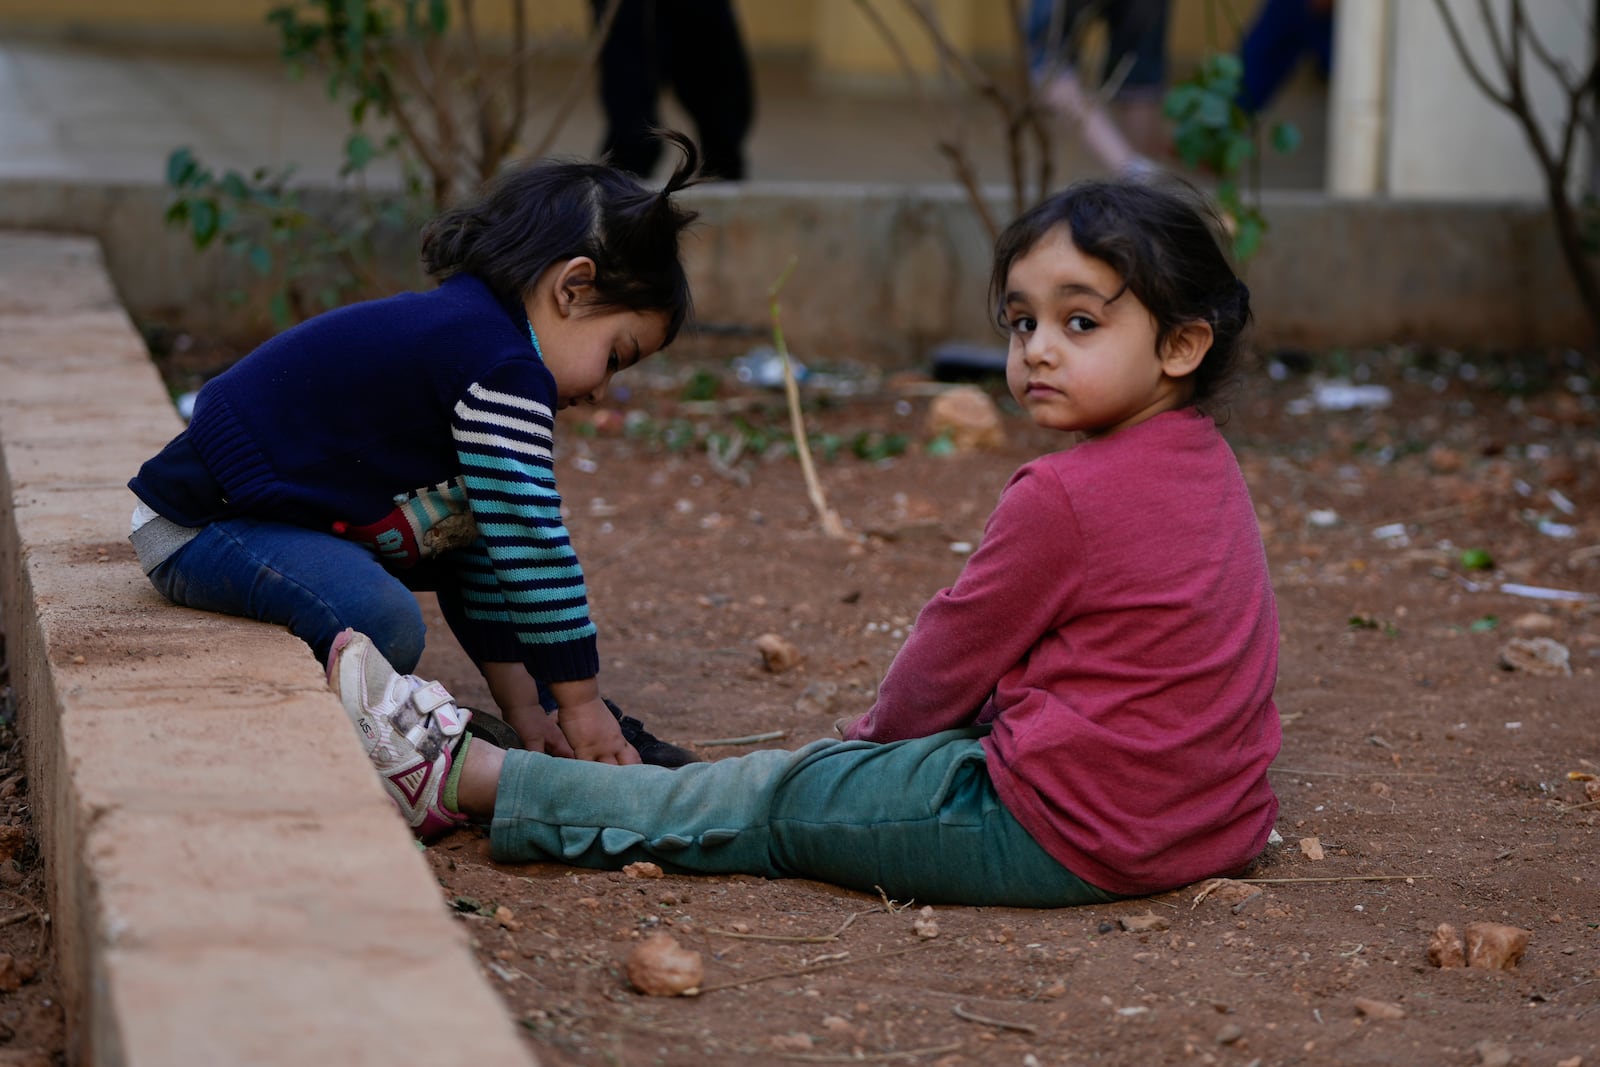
86, 112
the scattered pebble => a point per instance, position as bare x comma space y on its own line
1536, 655
967, 417
1492, 1054
778, 653
1495, 946
1379, 1009
660, 967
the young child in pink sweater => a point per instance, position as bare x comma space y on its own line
1085, 714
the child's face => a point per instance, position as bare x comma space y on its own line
583, 350
1077, 362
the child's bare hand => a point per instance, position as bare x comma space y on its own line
594, 734
543, 734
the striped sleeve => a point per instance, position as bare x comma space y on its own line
528, 576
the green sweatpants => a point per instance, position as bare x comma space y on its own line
918, 819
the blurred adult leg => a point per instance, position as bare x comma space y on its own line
709, 70
630, 82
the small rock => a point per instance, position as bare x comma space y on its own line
968, 417
1536, 655
1311, 848
925, 925
10, 973
1533, 622
1492, 1054
1143, 923
791, 1042
507, 920
1444, 460
1445, 948
643, 869
1495, 946
1379, 1009
1229, 1034
778, 654
660, 967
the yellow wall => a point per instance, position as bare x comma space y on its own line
841, 41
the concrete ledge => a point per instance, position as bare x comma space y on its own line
228, 883
882, 271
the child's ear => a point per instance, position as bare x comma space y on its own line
1185, 347
575, 275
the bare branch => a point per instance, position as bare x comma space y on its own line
1465, 55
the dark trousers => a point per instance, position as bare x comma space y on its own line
693, 47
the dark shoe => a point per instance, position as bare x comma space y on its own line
493, 729
651, 749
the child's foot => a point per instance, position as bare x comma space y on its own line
651, 749
409, 728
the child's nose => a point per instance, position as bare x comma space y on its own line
1039, 348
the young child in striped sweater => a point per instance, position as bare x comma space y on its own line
406, 444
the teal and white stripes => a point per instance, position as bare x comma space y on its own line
522, 570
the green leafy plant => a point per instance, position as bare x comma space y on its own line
305, 263
1477, 559
1212, 133
425, 89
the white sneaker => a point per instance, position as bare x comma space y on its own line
409, 728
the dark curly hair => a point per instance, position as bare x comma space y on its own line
536, 214
1163, 243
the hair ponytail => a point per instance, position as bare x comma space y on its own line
687, 172
534, 215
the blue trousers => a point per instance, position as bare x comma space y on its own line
918, 819
317, 584
1284, 33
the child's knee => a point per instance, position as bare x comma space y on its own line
393, 622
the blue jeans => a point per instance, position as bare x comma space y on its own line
316, 584
919, 819
1284, 32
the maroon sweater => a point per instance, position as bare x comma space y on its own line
1117, 627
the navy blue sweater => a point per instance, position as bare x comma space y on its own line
377, 421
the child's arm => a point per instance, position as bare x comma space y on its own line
1014, 590
526, 576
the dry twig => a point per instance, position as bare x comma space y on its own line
831, 525
747, 739
973, 1017
806, 969
805, 939
872, 1057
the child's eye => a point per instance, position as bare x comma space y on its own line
614, 362
1021, 324
1080, 323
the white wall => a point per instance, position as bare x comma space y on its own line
1409, 122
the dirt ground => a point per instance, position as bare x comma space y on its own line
1422, 780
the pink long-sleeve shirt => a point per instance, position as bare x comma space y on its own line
1117, 627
